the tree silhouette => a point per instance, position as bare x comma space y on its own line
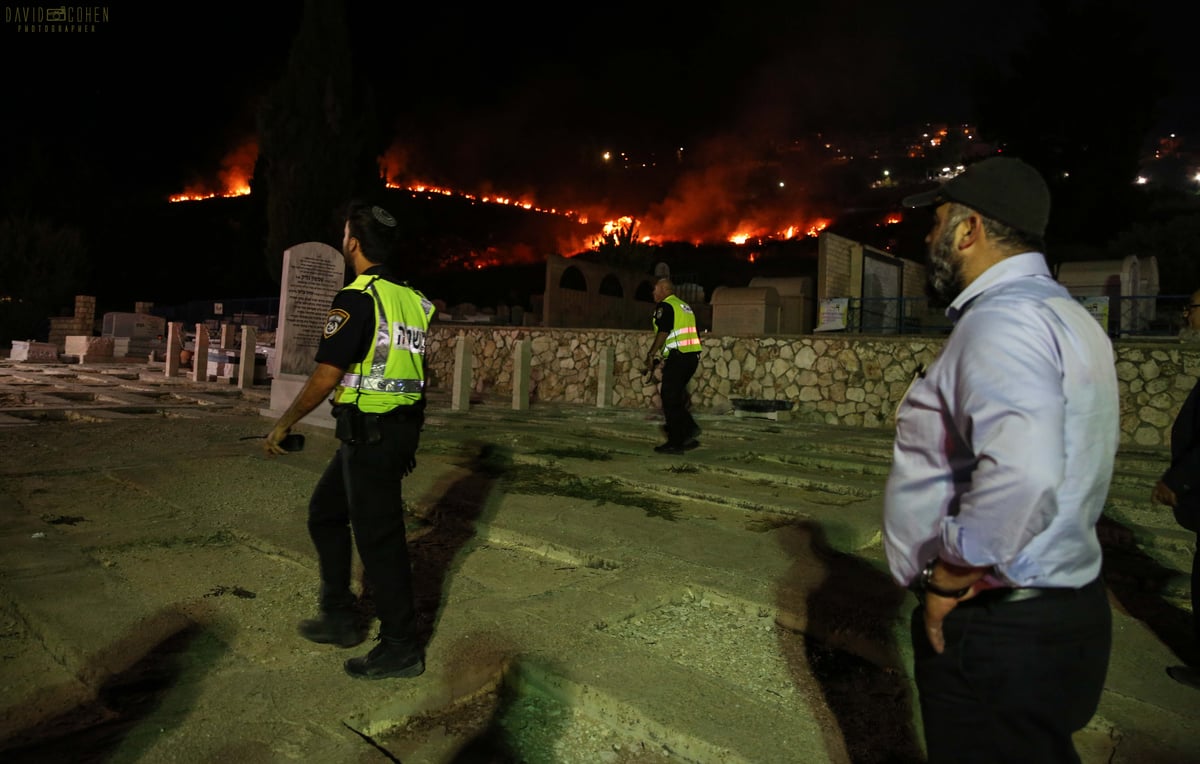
318, 137
622, 246
42, 264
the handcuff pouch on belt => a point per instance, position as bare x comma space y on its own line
356, 427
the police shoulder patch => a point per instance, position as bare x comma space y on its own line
336, 320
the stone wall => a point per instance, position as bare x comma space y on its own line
848, 379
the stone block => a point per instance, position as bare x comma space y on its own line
88, 349
33, 352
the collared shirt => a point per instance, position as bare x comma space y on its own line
1004, 447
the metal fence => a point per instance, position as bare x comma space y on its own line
1123, 316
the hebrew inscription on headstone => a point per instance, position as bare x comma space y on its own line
312, 274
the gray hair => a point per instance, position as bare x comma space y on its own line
1012, 240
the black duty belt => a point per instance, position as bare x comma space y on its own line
1023, 593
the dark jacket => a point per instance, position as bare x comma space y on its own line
1183, 476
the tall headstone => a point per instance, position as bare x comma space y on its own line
200, 355
604, 378
248, 357
522, 363
312, 274
174, 345
460, 396
228, 335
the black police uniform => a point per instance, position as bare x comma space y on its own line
678, 370
360, 489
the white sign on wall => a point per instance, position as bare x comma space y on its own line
835, 312
1098, 307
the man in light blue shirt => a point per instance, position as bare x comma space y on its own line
1003, 456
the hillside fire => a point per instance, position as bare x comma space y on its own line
702, 209
237, 168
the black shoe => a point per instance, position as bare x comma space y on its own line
387, 660
1185, 675
667, 448
339, 628
693, 443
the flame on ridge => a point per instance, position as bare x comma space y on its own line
427, 188
696, 212
237, 168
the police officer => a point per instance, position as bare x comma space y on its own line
371, 359
677, 344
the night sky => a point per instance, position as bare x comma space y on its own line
152, 102
505, 99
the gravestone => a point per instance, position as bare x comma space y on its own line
135, 335
87, 349
312, 274
174, 346
33, 352
745, 311
200, 359
460, 396
228, 335
796, 305
604, 378
522, 360
248, 360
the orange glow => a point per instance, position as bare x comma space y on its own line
425, 188
237, 169
702, 208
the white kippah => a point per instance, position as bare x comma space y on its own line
383, 216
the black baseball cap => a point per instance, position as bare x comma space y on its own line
1004, 189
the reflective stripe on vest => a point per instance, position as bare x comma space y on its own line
382, 384
683, 336
392, 374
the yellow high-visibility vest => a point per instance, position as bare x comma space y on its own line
683, 336
393, 372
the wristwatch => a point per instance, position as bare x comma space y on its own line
925, 583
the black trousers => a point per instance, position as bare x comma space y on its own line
678, 370
360, 492
1196, 591
1016, 678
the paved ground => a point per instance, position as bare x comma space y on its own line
586, 600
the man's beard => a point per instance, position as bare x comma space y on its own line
943, 280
